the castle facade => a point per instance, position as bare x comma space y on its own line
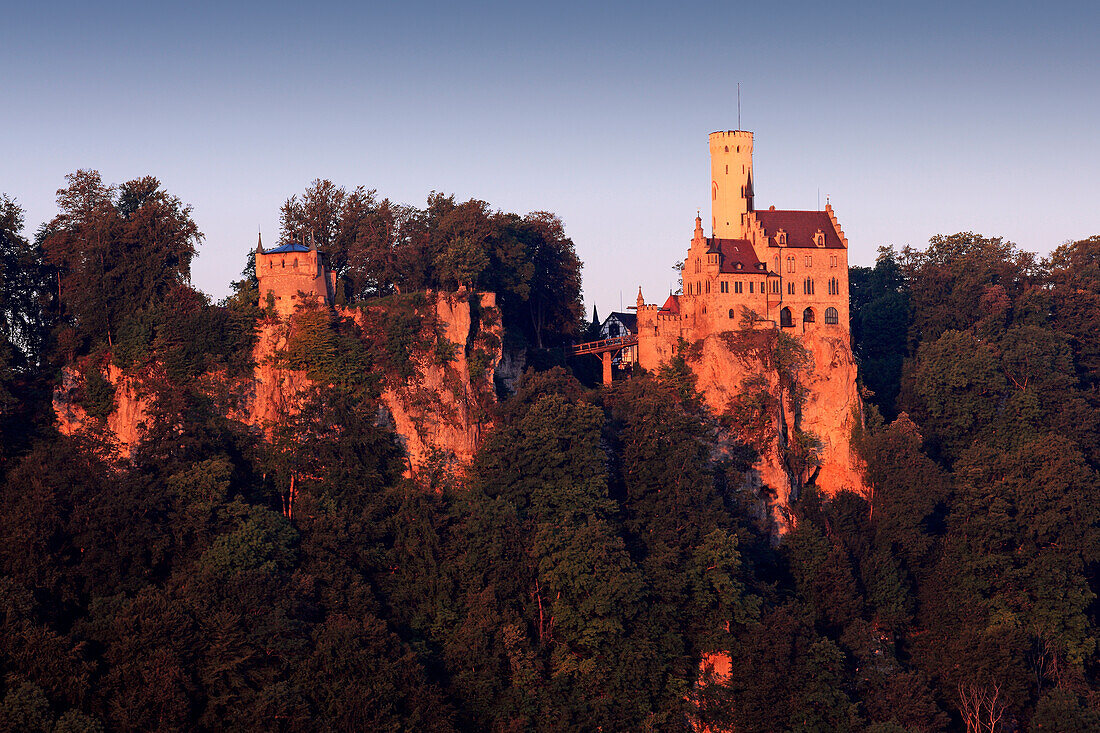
776, 268
292, 273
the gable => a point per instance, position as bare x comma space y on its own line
800, 227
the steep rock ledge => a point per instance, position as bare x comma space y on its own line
439, 411
798, 417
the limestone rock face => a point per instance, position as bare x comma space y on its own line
829, 412
832, 411
126, 423
440, 412
273, 391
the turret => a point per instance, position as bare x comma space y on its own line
731, 187
259, 243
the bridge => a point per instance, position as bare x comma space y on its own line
605, 348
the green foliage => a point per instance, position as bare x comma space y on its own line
99, 394
599, 547
115, 250
331, 351
402, 339
261, 543
880, 312
378, 248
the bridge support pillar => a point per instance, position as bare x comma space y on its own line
606, 357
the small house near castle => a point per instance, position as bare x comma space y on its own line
292, 273
617, 325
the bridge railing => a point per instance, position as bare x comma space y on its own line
609, 344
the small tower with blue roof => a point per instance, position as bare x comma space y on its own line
293, 273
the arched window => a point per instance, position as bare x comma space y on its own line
808, 286
295, 265
714, 192
785, 319
790, 263
777, 270
727, 148
698, 265
731, 312
808, 315
708, 287
831, 317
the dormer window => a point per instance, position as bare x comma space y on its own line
781, 238
819, 238
738, 265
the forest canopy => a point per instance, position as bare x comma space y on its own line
599, 552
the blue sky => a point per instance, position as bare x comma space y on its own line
915, 120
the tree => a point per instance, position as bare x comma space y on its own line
24, 325
116, 250
880, 322
554, 302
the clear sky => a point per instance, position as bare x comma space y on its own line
914, 118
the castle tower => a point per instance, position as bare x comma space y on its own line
292, 273
731, 186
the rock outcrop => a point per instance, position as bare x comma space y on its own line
439, 411
799, 417
125, 423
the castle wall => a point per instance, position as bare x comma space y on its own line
285, 275
820, 266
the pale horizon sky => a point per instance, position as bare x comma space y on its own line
930, 118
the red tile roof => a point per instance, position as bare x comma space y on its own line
800, 227
736, 252
672, 305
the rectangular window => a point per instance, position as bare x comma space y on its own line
809, 261
750, 285
725, 286
737, 287
790, 288
832, 260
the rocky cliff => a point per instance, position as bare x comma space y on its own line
793, 399
125, 419
437, 401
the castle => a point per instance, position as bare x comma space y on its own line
292, 273
779, 268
